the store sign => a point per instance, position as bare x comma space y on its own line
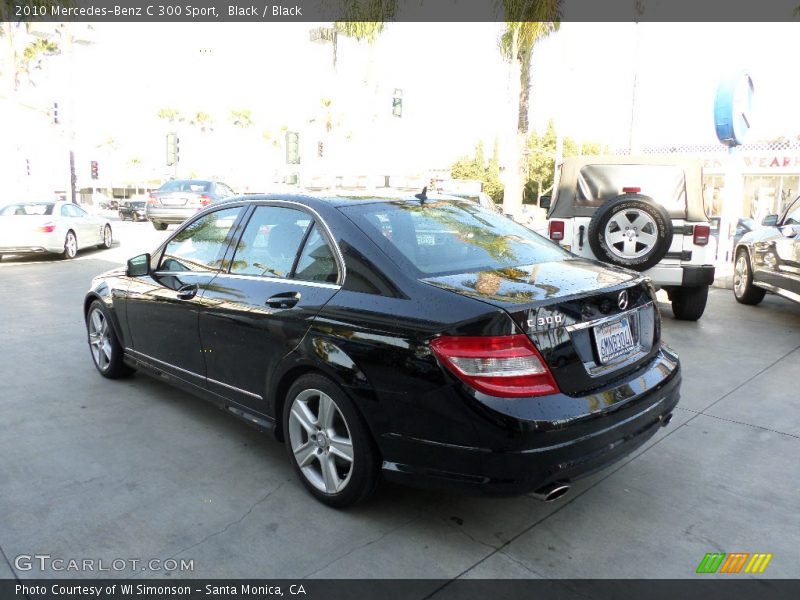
757, 162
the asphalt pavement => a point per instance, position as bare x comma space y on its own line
134, 469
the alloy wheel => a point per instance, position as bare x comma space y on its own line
99, 341
107, 239
631, 234
70, 245
740, 275
320, 441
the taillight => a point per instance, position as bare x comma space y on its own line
47, 228
631, 190
508, 366
205, 200
557, 230
701, 234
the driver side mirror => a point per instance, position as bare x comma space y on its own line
770, 220
138, 266
544, 202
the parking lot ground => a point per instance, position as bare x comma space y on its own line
134, 469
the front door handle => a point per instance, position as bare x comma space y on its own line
285, 300
187, 292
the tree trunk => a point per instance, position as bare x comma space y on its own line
525, 89
512, 193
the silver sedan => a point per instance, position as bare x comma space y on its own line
51, 227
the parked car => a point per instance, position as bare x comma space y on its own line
427, 339
177, 200
133, 210
768, 259
51, 227
743, 226
642, 213
481, 198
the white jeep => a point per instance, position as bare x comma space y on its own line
642, 213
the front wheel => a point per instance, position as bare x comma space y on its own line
329, 445
743, 288
689, 303
159, 226
103, 343
108, 238
70, 246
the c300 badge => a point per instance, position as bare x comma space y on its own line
548, 321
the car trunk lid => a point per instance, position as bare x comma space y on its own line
592, 323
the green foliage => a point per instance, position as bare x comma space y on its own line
169, 114
365, 19
476, 168
241, 117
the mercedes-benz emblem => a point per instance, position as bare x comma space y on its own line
622, 300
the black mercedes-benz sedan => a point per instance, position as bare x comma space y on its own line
423, 338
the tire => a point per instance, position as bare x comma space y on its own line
689, 303
108, 237
104, 346
159, 226
631, 231
122, 217
743, 289
326, 472
70, 246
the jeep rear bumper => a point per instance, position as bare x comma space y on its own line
681, 275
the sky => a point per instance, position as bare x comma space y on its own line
454, 82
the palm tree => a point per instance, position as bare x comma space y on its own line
527, 22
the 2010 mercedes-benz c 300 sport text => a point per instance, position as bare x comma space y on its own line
421, 338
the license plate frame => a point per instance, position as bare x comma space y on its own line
614, 340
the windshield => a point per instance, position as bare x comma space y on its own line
27, 209
441, 238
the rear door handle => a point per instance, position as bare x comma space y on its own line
285, 300
187, 292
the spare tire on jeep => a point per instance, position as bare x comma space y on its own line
631, 230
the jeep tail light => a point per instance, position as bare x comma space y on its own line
557, 230
508, 366
701, 234
47, 227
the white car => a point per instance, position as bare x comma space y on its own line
51, 227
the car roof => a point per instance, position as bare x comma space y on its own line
342, 198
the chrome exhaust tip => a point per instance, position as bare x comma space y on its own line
665, 419
551, 491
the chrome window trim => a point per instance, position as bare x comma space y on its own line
319, 284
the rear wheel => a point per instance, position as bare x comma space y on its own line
108, 238
70, 245
159, 226
743, 288
103, 343
689, 303
329, 445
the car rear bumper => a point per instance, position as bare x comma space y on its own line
538, 453
681, 275
163, 214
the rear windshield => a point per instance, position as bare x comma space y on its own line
446, 237
27, 209
666, 184
185, 186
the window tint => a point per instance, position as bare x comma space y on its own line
270, 242
438, 238
22, 210
316, 260
201, 245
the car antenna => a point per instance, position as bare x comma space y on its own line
423, 195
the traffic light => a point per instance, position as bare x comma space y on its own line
28, 166
397, 103
292, 148
320, 149
55, 113
173, 154
94, 169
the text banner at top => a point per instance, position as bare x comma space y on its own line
148, 11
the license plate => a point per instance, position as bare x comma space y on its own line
173, 201
614, 339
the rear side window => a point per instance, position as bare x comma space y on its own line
22, 210
270, 242
201, 245
316, 261
666, 184
185, 186
442, 237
